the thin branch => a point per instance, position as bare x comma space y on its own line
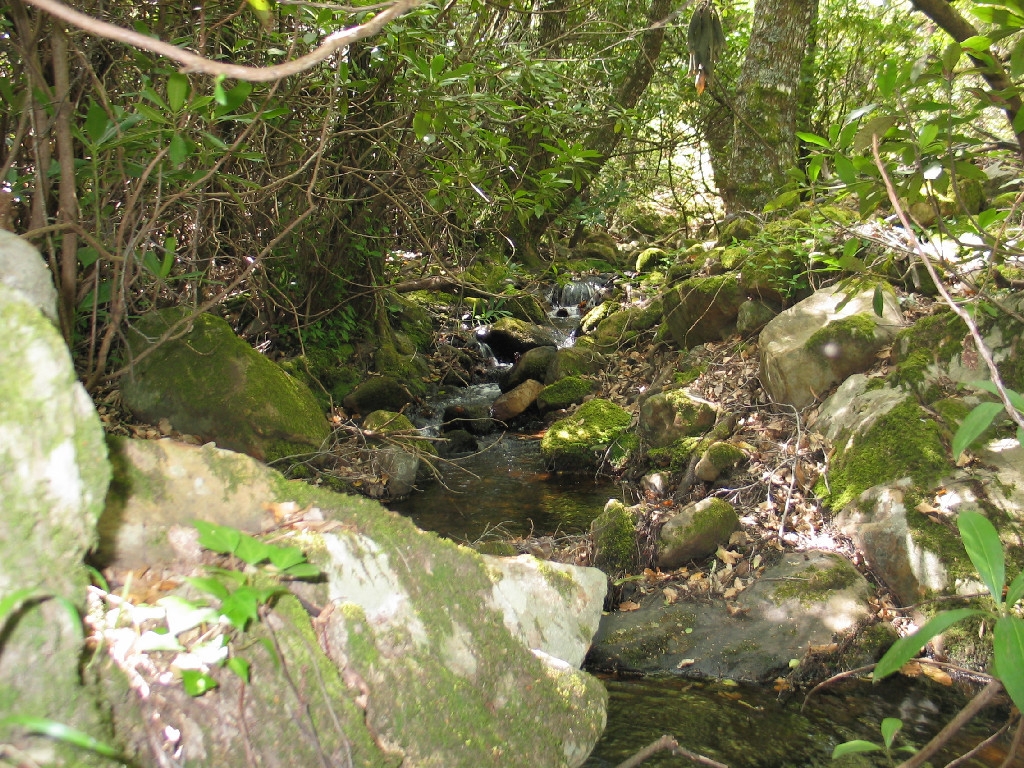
191, 62
962, 313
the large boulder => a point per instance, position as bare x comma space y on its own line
53, 479
596, 433
667, 416
509, 337
818, 343
805, 601
564, 393
22, 268
206, 381
579, 360
412, 625
532, 365
377, 393
703, 309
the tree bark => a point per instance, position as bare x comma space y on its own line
603, 138
768, 99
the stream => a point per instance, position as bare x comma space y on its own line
505, 490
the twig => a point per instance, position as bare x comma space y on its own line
668, 743
965, 715
979, 342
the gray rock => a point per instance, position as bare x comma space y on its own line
695, 532
210, 383
703, 309
23, 269
815, 344
475, 418
574, 361
753, 315
667, 416
532, 365
53, 479
512, 404
807, 599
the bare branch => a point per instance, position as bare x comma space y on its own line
191, 62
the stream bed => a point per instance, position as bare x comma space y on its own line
506, 490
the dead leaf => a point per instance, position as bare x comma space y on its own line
727, 557
825, 648
628, 605
671, 595
686, 663
940, 676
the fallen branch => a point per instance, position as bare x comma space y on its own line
668, 743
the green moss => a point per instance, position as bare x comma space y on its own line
581, 440
614, 534
814, 585
724, 455
715, 518
939, 335
858, 328
561, 581
677, 455
563, 393
905, 442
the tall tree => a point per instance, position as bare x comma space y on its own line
767, 102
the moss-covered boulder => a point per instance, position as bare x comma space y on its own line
614, 535
418, 625
696, 532
595, 434
649, 259
563, 393
598, 246
622, 328
754, 315
580, 360
703, 309
509, 337
378, 393
718, 458
53, 479
738, 228
819, 342
665, 417
532, 365
209, 382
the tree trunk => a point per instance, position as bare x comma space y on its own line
768, 99
604, 137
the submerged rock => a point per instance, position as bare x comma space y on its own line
210, 383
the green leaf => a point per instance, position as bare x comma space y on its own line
208, 585
61, 732
906, 648
886, 78
951, 56
878, 300
177, 90
217, 538
422, 123
976, 43
183, 615
197, 683
854, 747
14, 600
1008, 645
219, 94
812, 138
305, 571
239, 666
845, 170
241, 607
890, 726
87, 255
1015, 591
151, 114
96, 123
252, 551
981, 540
286, 557
233, 98
973, 425
178, 151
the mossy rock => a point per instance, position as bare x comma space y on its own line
211, 383
411, 319
594, 317
775, 274
378, 393
667, 416
408, 367
703, 309
614, 536
649, 258
579, 360
563, 393
533, 364
586, 439
622, 328
738, 229
695, 533
904, 442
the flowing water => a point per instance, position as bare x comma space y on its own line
507, 486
